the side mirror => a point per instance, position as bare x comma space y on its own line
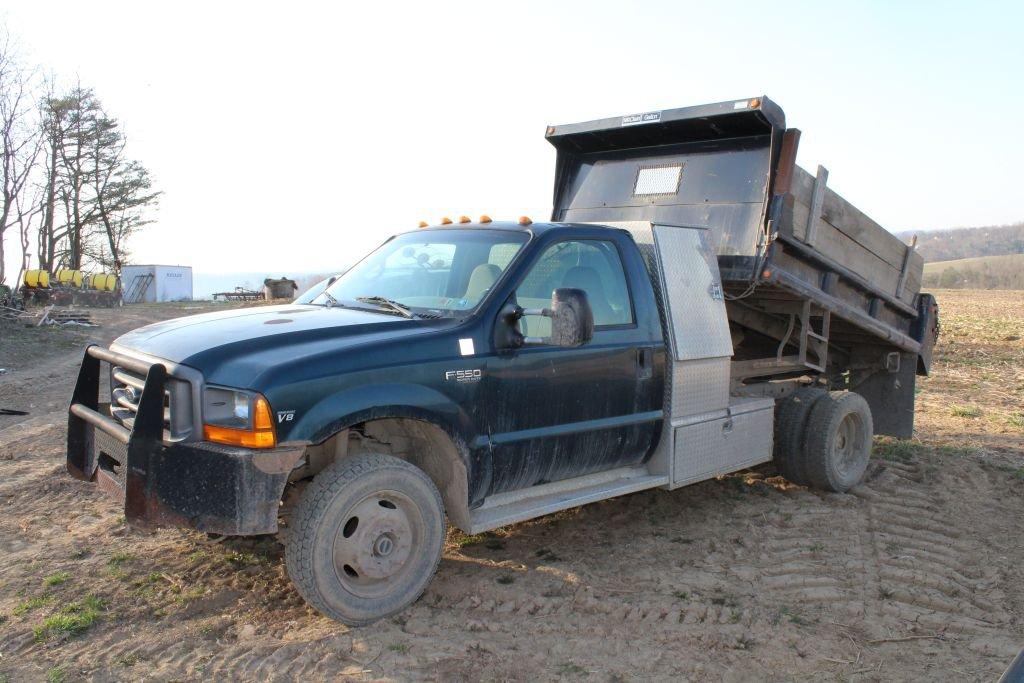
572, 322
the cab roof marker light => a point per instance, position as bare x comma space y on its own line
446, 221
423, 224
525, 220
465, 219
485, 219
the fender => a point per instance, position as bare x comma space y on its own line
345, 408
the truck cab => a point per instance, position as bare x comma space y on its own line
485, 372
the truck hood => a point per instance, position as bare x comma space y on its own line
207, 340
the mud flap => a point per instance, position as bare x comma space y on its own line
891, 397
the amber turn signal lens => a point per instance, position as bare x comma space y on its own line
260, 436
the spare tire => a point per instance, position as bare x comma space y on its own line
790, 419
837, 441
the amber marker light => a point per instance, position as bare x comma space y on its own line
423, 224
260, 435
465, 219
525, 220
485, 219
446, 221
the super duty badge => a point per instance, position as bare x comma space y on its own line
464, 375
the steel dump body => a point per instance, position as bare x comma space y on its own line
810, 281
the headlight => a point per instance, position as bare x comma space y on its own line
237, 418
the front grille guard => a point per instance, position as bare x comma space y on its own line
142, 441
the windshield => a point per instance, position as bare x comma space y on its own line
435, 273
314, 291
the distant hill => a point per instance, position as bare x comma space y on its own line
981, 272
962, 243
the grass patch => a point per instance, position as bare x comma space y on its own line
115, 565
487, 539
956, 451
791, 615
57, 674
72, 619
571, 669
506, 579
725, 600
239, 559
965, 411
680, 595
1016, 420
57, 578
546, 555
128, 660
400, 648
32, 604
896, 450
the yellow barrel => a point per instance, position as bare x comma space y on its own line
69, 277
37, 279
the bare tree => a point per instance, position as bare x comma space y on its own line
19, 142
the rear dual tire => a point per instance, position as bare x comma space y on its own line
823, 439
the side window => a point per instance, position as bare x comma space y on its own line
591, 265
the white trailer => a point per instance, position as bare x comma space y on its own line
156, 283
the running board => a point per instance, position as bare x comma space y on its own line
517, 506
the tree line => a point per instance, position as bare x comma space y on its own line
958, 243
70, 197
986, 272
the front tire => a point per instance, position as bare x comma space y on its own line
366, 538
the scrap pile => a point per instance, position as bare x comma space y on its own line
48, 316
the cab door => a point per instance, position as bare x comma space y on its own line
555, 413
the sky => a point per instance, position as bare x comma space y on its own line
295, 137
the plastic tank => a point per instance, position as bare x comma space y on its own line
69, 278
37, 279
105, 282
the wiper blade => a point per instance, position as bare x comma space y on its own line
387, 303
331, 301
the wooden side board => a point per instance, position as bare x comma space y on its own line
846, 235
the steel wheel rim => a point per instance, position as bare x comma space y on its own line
848, 444
373, 545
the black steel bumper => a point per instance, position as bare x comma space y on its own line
212, 488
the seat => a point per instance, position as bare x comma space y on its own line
587, 279
481, 279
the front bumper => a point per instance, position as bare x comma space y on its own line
197, 485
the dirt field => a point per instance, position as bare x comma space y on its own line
918, 574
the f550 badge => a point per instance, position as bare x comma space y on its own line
464, 375
285, 416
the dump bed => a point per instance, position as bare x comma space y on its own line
788, 246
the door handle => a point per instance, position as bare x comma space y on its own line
644, 362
